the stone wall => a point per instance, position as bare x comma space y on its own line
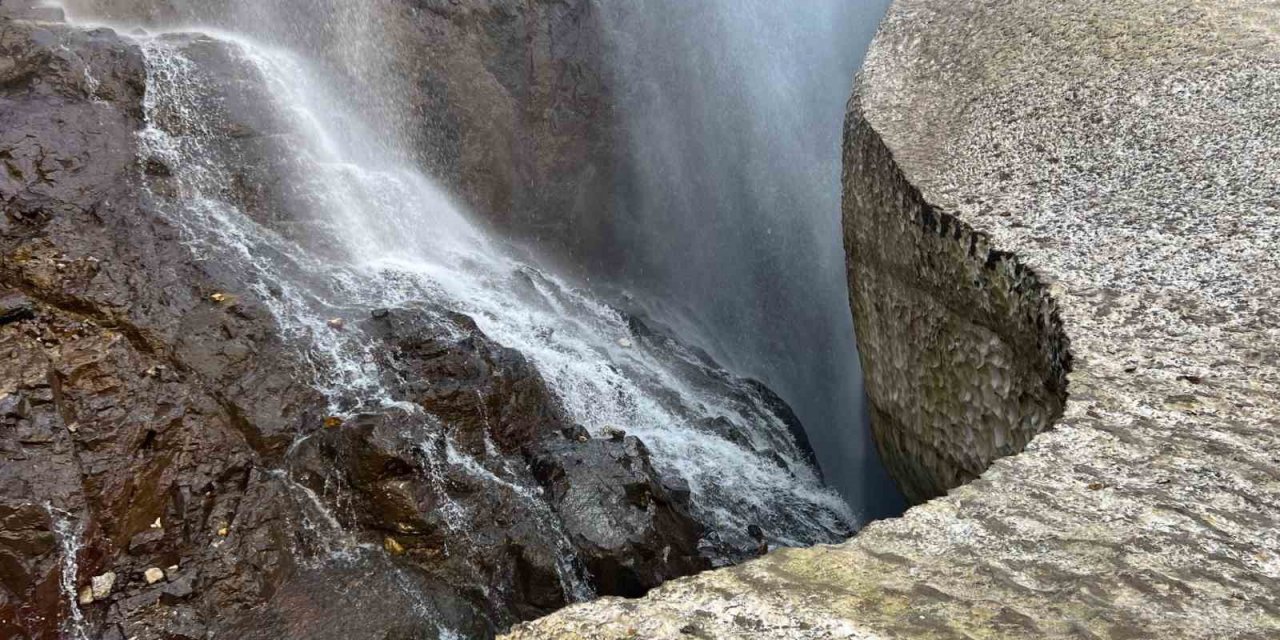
964, 353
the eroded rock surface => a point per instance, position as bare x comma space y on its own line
1113, 161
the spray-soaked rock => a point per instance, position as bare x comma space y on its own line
631, 531
506, 101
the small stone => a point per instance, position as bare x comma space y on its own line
332, 422
13, 405
224, 531
86, 595
219, 297
615, 434
15, 307
171, 571
393, 546
380, 314
625, 343
577, 432
157, 524
1097, 486
73, 427
337, 324
153, 575
103, 584
177, 590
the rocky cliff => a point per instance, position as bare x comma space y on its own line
169, 469
1062, 227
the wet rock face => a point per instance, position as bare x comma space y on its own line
525, 102
448, 367
633, 532
507, 101
149, 420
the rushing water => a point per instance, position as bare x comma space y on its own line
730, 223
360, 227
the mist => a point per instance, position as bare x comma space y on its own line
727, 227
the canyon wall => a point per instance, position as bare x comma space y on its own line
170, 464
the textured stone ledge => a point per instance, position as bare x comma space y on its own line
1127, 152
962, 346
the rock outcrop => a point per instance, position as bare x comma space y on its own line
1020, 173
153, 418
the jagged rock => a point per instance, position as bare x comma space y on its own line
499, 412
632, 532
177, 589
473, 383
153, 575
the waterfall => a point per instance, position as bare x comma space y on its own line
70, 532
361, 227
730, 217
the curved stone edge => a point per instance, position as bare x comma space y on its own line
963, 349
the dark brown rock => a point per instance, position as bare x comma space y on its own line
141, 385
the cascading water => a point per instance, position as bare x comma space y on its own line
360, 228
728, 227
390, 238
69, 531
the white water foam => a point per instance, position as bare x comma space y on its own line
70, 532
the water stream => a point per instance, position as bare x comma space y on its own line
69, 531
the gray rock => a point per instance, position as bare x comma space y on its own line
177, 589
15, 307
103, 584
